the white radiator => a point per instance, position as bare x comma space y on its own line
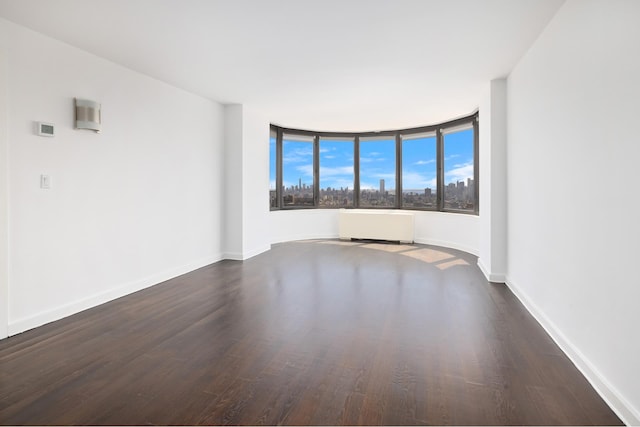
376, 224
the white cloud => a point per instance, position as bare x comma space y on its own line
387, 176
297, 155
462, 165
305, 170
459, 173
335, 171
336, 177
425, 162
369, 186
417, 181
372, 159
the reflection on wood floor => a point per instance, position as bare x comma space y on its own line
319, 332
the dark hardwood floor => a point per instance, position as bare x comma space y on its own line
310, 333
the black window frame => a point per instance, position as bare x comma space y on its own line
439, 130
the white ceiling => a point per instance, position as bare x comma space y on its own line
314, 64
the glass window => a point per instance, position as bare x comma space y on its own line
419, 171
336, 172
297, 170
378, 172
430, 167
459, 186
273, 202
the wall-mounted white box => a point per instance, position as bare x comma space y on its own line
45, 129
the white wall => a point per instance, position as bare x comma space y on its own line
255, 201
572, 197
4, 198
493, 183
232, 224
303, 224
246, 223
128, 208
450, 230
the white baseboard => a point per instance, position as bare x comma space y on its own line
256, 251
491, 277
57, 313
241, 256
446, 244
234, 256
616, 401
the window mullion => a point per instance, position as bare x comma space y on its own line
356, 172
279, 195
398, 171
476, 167
440, 170
316, 171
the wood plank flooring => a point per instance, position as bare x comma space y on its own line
309, 333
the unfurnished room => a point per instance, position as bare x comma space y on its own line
285, 212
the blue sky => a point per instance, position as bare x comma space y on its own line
377, 161
336, 163
458, 156
419, 164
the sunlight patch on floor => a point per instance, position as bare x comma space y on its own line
452, 263
440, 259
429, 255
388, 248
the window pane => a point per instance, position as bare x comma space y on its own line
419, 171
297, 170
336, 172
378, 173
272, 170
459, 188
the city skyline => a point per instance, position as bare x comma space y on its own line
377, 161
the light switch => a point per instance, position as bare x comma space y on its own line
45, 181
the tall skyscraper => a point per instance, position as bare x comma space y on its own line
382, 186
299, 183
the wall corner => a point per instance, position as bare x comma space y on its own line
4, 198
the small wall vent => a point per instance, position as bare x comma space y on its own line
88, 115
